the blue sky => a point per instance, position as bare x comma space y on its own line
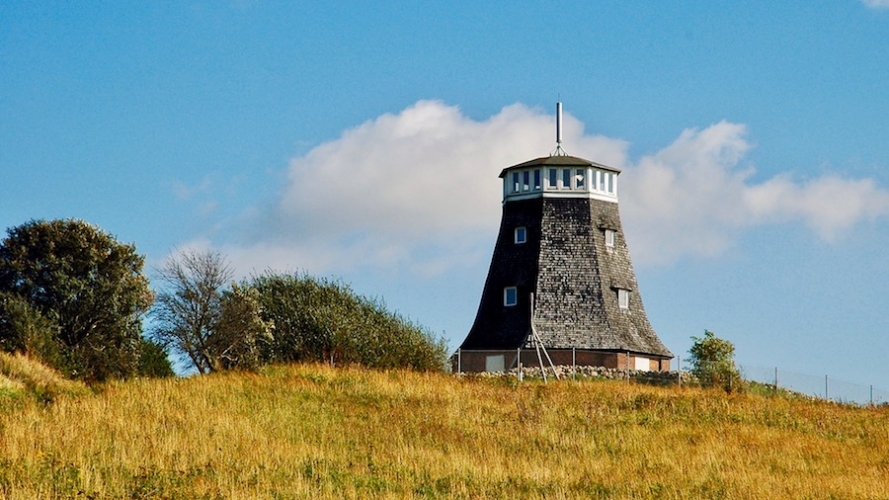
363, 140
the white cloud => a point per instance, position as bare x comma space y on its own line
695, 196
418, 192
876, 4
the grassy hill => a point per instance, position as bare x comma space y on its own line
318, 432
21, 377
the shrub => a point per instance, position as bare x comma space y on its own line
713, 362
322, 320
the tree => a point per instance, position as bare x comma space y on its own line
209, 326
73, 296
713, 362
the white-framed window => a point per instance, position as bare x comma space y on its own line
526, 180
566, 178
515, 182
537, 186
609, 238
553, 178
510, 296
604, 182
580, 178
623, 298
521, 235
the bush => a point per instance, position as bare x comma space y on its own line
713, 362
325, 321
153, 360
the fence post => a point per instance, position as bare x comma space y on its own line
573, 363
826, 394
459, 365
518, 364
679, 370
776, 380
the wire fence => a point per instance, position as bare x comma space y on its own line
806, 384
818, 386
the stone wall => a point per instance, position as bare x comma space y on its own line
595, 372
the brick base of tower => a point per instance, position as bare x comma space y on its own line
480, 361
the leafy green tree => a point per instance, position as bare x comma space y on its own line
325, 321
73, 296
713, 362
211, 327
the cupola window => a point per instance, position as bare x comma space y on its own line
566, 178
553, 178
580, 178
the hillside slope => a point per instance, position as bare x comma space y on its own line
318, 432
20, 375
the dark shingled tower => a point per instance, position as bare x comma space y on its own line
561, 242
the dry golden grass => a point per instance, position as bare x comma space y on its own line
20, 374
9, 386
318, 432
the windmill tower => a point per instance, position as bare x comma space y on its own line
561, 268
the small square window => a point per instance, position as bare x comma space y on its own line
609, 238
623, 298
521, 235
510, 296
